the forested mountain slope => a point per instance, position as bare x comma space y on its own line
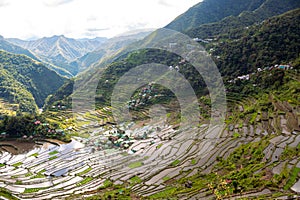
209, 11
25, 80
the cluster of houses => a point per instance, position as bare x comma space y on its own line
203, 40
120, 138
41, 129
59, 107
247, 76
174, 68
44, 129
282, 67
144, 96
116, 138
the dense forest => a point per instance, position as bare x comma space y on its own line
30, 127
233, 23
26, 82
275, 41
211, 11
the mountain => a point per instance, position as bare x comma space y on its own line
252, 154
26, 82
256, 152
60, 50
69, 56
10, 47
15, 92
13, 45
274, 41
209, 11
244, 19
108, 48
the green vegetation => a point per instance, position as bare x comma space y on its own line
39, 174
236, 135
30, 127
175, 163
61, 96
234, 175
211, 11
135, 164
166, 178
241, 165
115, 192
18, 164
292, 178
106, 184
135, 180
32, 190
290, 153
53, 153
235, 23
84, 172
236, 57
6, 194
34, 155
26, 82
85, 181
28, 174
193, 162
169, 192
268, 93
53, 157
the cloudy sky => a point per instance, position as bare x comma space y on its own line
27, 19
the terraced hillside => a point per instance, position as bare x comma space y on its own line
255, 153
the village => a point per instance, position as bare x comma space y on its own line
259, 70
155, 153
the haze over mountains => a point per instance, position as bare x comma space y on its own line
9, 47
208, 19
21, 82
69, 56
60, 50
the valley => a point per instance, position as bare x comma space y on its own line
103, 119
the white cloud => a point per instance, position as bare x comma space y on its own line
86, 18
54, 3
165, 3
4, 3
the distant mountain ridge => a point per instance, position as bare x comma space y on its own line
109, 47
9, 47
69, 56
60, 50
55, 46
